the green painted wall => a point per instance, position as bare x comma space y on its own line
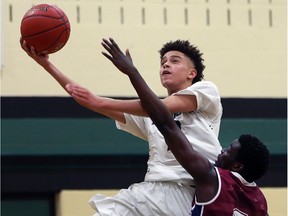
100, 136
26, 207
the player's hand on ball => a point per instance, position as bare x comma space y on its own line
122, 61
41, 59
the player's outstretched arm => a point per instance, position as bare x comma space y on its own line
102, 104
86, 97
94, 102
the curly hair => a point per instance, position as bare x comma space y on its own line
254, 155
191, 51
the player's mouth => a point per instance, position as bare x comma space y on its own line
166, 72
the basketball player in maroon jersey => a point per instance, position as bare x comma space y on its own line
226, 188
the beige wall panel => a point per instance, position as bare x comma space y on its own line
279, 16
217, 16
244, 59
245, 64
175, 15
197, 16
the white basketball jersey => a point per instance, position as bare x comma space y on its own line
201, 127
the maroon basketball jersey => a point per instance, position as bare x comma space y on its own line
235, 197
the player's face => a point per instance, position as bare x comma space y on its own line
177, 71
227, 158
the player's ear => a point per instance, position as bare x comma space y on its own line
192, 73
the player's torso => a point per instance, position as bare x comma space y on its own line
162, 163
235, 199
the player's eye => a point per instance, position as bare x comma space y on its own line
163, 62
175, 60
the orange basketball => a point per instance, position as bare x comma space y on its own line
46, 28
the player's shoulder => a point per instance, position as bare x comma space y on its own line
205, 83
205, 86
225, 175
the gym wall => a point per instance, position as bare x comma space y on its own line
244, 45
50, 144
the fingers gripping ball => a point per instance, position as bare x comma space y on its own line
46, 28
